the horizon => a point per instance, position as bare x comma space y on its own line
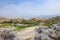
29, 17
29, 8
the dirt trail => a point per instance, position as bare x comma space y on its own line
27, 33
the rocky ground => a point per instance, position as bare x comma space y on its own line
32, 33
27, 33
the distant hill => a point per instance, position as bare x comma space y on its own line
22, 20
57, 18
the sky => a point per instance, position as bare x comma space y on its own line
29, 8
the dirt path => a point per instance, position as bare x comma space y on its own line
26, 33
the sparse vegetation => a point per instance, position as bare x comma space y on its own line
20, 23
21, 27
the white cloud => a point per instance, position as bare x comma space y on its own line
30, 9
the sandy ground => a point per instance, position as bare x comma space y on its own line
27, 33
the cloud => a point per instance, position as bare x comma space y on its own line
32, 8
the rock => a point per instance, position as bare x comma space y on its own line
55, 27
45, 33
8, 34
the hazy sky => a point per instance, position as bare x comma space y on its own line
29, 8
